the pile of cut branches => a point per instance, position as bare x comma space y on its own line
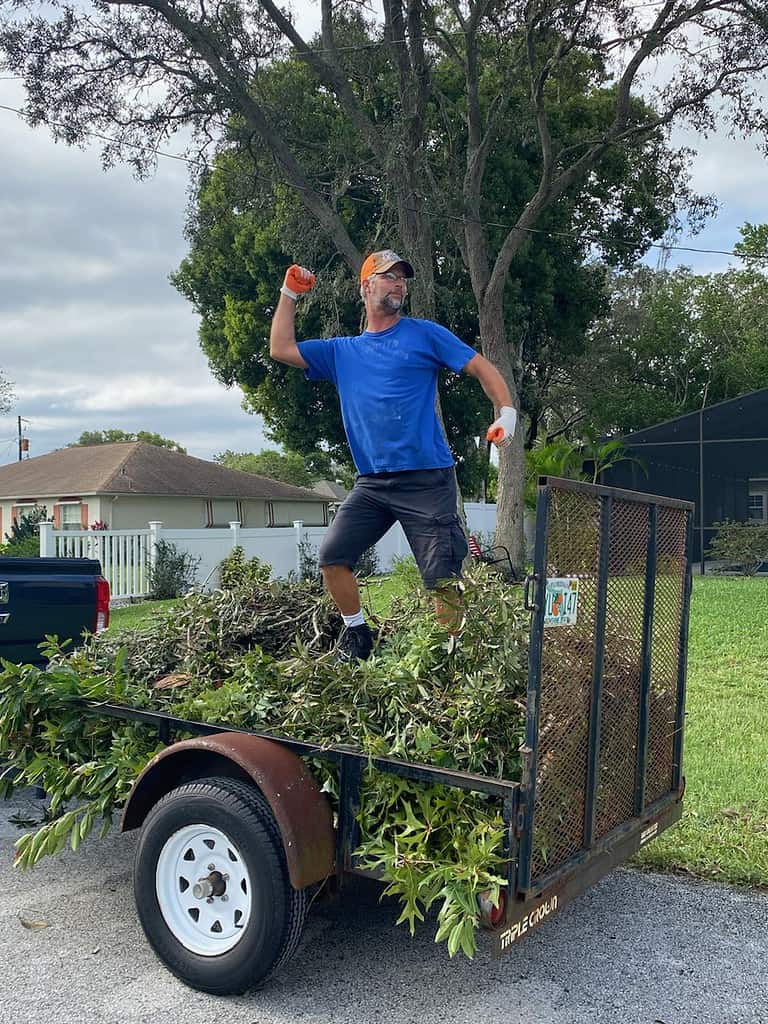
260, 654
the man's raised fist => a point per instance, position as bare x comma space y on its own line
298, 281
502, 430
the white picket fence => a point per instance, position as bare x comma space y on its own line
126, 555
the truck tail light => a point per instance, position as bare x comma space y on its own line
102, 604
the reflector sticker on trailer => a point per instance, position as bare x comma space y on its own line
561, 601
647, 834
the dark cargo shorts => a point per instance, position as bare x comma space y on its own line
423, 501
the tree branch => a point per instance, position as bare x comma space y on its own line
330, 74
200, 39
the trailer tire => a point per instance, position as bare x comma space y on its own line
219, 833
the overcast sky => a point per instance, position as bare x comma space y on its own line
92, 334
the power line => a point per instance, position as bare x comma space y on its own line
548, 233
108, 138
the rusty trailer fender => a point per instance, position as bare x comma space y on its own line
302, 813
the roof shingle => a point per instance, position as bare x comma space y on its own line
133, 467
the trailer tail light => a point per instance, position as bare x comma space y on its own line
490, 916
102, 604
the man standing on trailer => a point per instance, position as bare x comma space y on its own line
386, 379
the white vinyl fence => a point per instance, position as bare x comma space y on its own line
126, 555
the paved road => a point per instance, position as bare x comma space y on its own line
636, 949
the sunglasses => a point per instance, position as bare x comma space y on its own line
388, 275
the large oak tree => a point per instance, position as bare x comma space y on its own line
136, 69
244, 228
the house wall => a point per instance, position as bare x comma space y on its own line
134, 512
287, 512
254, 513
91, 505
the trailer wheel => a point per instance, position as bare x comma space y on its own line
212, 888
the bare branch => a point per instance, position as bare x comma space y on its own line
329, 73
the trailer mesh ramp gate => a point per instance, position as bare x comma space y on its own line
607, 672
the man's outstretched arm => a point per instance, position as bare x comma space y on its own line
495, 387
282, 336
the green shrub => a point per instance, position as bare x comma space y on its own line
235, 571
309, 565
174, 572
743, 546
366, 565
405, 571
29, 547
24, 540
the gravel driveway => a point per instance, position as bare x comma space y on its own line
636, 949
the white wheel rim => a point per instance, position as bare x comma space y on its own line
194, 865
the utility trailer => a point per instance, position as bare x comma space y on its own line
234, 829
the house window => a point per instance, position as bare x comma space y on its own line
23, 508
70, 516
756, 507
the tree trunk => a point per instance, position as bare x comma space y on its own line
416, 234
510, 495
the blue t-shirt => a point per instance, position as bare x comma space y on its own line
387, 385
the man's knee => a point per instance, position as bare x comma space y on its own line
326, 554
336, 571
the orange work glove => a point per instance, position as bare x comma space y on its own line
298, 281
502, 430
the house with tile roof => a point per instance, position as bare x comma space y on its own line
129, 484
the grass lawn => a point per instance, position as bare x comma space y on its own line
378, 592
724, 831
131, 615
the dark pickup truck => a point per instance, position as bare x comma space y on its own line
49, 596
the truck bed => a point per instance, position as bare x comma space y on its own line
45, 596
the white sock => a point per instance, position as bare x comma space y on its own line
354, 620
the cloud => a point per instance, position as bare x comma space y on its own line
94, 336
733, 170
92, 333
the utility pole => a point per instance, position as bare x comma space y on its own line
23, 441
701, 476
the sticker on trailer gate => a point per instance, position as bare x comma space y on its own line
561, 602
527, 923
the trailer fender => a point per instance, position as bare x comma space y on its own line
300, 809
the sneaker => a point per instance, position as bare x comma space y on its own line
356, 643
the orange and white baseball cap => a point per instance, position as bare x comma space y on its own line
380, 262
